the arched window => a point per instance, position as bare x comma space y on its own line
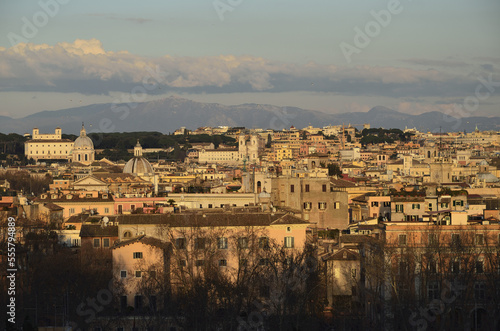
259, 186
79, 157
86, 157
127, 234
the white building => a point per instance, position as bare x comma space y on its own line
83, 149
48, 146
249, 147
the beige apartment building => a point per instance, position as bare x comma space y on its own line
317, 200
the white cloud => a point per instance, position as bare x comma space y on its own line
84, 66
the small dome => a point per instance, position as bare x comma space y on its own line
138, 164
83, 141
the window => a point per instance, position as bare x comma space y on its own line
430, 206
180, 243
137, 255
200, 263
138, 302
289, 242
479, 239
433, 290
264, 261
321, 205
455, 267
105, 242
336, 205
399, 208
138, 274
324, 188
263, 242
182, 263
402, 240
292, 188
307, 205
152, 273
97, 243
479, 291
106, 210
199, 243
415, 206
374, 203
123, 274
243, 243
222, 243
222, 263
72, 210
210, 205
353, 273
307, 188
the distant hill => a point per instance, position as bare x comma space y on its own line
169, 114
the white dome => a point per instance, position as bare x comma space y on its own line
83, 143
138, 165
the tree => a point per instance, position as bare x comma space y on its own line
220, 277
334, 170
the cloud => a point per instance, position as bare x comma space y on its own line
84, 66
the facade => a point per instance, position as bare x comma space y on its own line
83, 149
249, 147
77, 202
48, 146
218, 156
315, 199
137, 260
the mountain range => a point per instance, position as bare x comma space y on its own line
169, 114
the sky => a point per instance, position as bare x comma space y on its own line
338, 56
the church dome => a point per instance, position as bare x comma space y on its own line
83, 141
138, 164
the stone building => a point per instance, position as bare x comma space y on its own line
316, 199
